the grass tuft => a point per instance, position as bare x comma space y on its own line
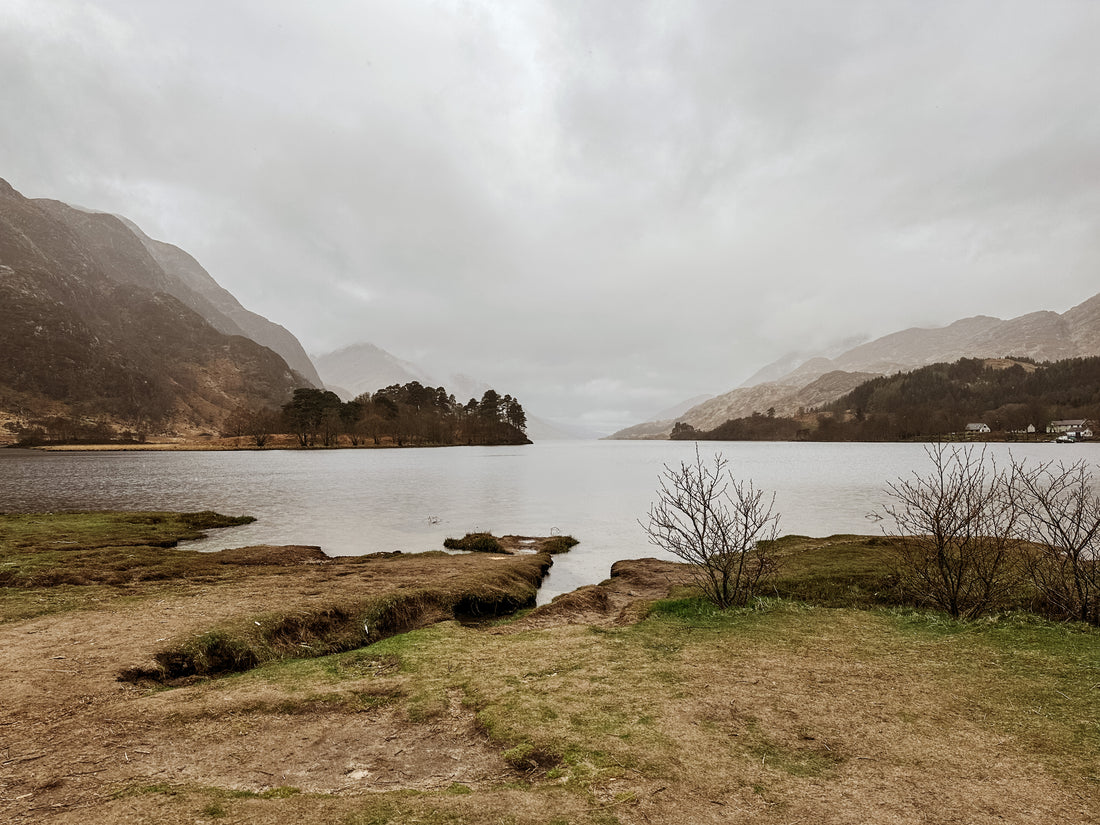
475, 543
558, 544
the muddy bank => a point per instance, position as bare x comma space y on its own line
619, 600
83, 718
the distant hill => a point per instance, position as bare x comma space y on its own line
783, 398
660, 424
1011, 397
359, 368
812, 382
93, 328
366, 368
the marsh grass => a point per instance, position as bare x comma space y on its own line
1029, 678
839, 571
475, 543
693, 711
64, 561
558, 544
829, 698
30, 532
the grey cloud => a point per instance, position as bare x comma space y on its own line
596, 206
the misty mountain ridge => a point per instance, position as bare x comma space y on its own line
98, 321
359, 368
366, 368
1041, 336
181, 276
787, 364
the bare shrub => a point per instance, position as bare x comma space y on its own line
721, 526
1060, 520
954, 532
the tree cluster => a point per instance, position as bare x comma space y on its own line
972, 538
756, 427
942, 398
400, 415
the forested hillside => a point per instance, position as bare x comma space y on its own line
935, 401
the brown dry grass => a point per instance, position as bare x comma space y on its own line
603, 707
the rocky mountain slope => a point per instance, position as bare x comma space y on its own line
1042, 336
91, 327
193, 285
130, 256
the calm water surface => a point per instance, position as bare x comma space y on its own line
364, 501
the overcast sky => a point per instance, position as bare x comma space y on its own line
600, 207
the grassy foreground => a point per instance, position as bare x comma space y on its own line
823, 704
787, 713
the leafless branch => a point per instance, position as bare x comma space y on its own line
721, 526
954, 529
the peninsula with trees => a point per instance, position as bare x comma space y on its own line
402, 415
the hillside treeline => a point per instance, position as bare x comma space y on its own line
400, 415
934, 401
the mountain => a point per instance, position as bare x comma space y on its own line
360, 368
92, 326
790, 362
366, 368
130, 256
660, 424
785, 398
193, 285
1041, 336
674, 412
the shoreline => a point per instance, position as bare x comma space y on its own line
261, 685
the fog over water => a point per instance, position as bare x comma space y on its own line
362, 501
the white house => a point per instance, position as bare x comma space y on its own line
1078, 427
977, 428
